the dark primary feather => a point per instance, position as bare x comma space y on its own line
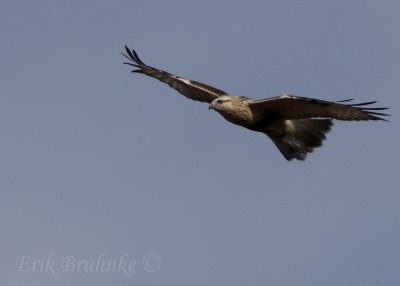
294, 107
189, 88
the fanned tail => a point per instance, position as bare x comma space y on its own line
296, 138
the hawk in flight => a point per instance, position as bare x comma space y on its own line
295, 124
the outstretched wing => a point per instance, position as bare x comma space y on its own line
189, 88
294, 107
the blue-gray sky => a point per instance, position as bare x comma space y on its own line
97, 162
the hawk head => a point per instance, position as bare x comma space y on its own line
233, 108
222, 103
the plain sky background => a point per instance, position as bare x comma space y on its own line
98, 161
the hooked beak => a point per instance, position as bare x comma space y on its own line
210, 106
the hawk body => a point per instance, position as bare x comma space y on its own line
295, 124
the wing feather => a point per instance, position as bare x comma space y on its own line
189, 88
294, 107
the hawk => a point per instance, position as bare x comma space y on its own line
295, 124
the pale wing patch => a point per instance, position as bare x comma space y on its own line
289, 126
287, 96
200, 86
183, 80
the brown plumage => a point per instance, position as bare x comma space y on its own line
295, 124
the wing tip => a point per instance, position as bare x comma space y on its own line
371, 111
133, 57
377, 116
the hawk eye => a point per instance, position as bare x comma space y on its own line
220, 101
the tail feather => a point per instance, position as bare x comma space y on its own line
296, 138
